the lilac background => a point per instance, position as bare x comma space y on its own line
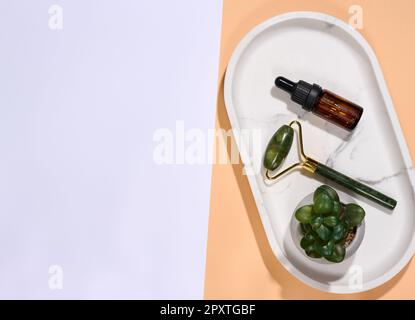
78, 184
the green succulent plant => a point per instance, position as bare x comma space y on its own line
326, 223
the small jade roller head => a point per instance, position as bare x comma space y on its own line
278, 147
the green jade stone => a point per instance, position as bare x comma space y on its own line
278, 147
364, 190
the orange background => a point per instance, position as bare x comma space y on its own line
240, 263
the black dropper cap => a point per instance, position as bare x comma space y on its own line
302, 92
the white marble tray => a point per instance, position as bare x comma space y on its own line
322, 49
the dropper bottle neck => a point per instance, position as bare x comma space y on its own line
301, 92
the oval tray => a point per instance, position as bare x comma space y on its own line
322, 49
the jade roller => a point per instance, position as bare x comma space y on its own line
278, 148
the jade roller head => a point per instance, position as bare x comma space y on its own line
278, 148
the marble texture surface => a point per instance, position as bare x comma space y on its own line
375, 153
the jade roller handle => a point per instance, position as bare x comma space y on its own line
355, 186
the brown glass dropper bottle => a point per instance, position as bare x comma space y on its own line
322, 102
